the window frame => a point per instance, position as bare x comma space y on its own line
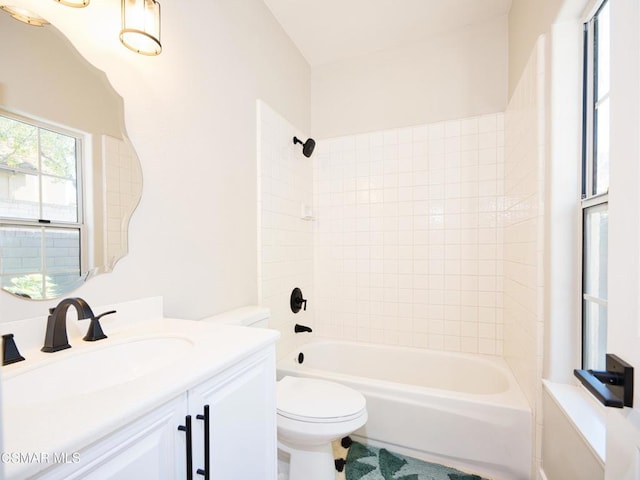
590, 197
47, 224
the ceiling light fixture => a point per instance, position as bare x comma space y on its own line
141, 26
140, 22
74, 3
24, 15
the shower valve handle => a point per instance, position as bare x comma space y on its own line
302, 303
297, 301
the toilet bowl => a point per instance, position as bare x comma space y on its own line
311, 414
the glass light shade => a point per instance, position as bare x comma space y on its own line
24, 15
74, 3
141, 26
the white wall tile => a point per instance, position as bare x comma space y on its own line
286, 240
426, 202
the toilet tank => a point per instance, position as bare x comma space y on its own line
249, 316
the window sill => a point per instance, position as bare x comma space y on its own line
585, 413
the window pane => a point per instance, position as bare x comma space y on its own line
39, 262
19, 195
21, 258
596, 222
18, 144
595, 251
58, 154
601, 164
595, 336
21, 250
21, 192
59, 284
62, 260
59, 199
27, 285
62, 250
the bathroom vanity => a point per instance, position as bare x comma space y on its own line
158, 399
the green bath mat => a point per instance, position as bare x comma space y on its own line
368, 463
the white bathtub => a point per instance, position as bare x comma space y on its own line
465, 411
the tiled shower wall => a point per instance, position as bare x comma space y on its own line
524, 234
285, 240
524, 226
408, 236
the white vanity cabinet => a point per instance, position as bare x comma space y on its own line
146, 449
241, 433
242, 423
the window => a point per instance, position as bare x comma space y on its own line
595, 188
40, 208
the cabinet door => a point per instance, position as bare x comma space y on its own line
149, 449
242, 421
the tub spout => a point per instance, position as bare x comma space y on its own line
301, 328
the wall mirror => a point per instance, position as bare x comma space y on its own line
69, 176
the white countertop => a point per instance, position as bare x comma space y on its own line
68, 424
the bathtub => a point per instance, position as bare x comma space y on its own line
465, 411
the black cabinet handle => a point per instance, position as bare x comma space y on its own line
207, 460
187, 429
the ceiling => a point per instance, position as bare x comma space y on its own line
326, 31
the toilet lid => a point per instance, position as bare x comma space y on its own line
314, 400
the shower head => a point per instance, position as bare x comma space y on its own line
307, 147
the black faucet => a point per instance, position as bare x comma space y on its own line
56, 336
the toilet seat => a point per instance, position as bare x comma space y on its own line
318, 401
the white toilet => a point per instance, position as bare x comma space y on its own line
311, 413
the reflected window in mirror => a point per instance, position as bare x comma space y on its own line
80, 98
41, 215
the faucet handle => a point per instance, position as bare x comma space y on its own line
297, 300
105, 313
10, 353
95, 330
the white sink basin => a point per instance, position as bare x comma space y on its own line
96, 367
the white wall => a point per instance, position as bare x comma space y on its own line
450, 76
191, 114
285, 179
563, 215
408, 236
527, 21
623, 327
565, 453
